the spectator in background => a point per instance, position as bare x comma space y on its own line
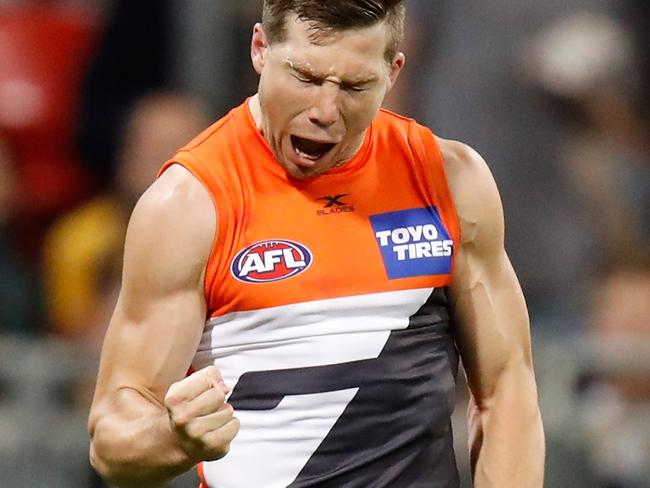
133, 59
615, 393
475, 47
637, 13
589, 66
19, 298
44, 49
153, 45
83, 250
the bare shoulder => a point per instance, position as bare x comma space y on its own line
474, 192
172, 227
176, 193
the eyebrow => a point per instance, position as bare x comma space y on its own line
310, 73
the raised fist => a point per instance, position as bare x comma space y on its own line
199, 415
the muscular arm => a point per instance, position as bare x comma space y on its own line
492, 333
152, 337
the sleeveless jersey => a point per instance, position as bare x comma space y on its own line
327, 312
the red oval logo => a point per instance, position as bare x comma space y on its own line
272, 260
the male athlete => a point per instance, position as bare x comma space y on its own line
303, 258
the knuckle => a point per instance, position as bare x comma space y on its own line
193, 430
219, 396
197, 377
213, 440
228, 410
211, 369
214, 397
225, 449
218, 442
181, 418
221, 451
214, 373
172, 397
236, 426
171, 402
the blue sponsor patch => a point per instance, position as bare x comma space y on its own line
413, 242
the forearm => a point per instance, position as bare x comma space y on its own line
135, 447
506, 435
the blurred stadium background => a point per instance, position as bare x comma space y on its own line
96, 94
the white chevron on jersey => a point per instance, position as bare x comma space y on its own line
271, 456
274, 445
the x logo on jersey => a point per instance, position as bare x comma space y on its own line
334, 201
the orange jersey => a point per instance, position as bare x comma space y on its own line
326, 309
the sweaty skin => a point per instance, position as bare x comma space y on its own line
149, 423
328, 91
492, 333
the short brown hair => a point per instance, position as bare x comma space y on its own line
336, 15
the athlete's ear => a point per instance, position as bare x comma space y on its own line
259, 46
395, 69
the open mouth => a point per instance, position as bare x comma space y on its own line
310, 149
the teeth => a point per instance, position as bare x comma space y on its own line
302, 147
305, 155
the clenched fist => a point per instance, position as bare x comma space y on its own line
199, 415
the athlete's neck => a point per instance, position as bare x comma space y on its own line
256, 111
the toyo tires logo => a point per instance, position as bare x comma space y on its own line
271, 260
413, 242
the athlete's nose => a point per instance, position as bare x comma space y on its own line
325, 111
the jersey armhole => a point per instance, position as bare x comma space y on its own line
191, 163
432, 165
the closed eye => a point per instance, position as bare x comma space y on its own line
306, 79
311, 80
353, 88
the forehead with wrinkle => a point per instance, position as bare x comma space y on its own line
307, 67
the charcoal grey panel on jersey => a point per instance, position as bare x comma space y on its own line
396, 431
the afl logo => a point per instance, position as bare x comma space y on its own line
272, 260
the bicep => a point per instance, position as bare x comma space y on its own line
159, 317
149, 350
492, 327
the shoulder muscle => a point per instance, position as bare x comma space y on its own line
170, 235
475, 196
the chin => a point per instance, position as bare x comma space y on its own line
300, 173
297, 171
